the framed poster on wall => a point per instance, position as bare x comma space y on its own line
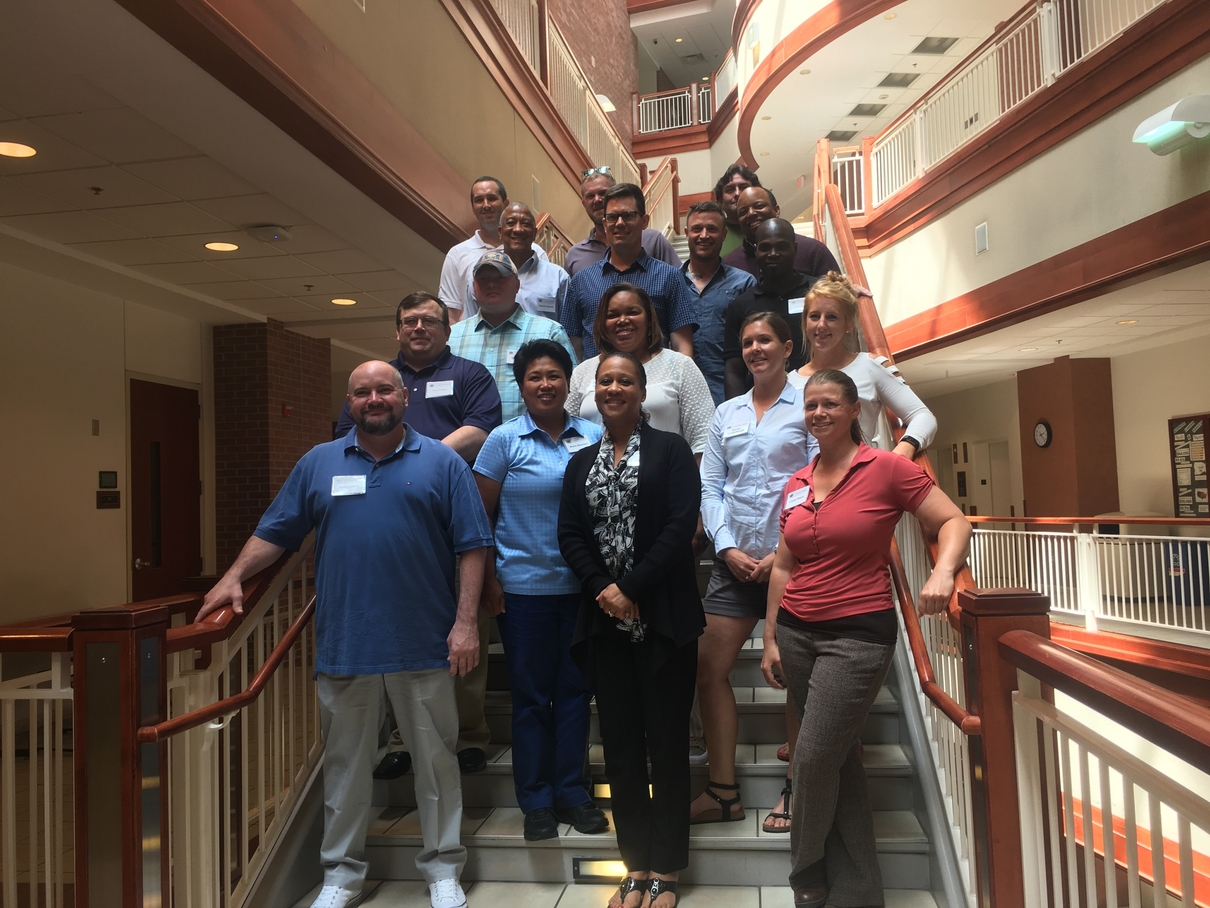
1187, 443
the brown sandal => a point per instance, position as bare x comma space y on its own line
724, 812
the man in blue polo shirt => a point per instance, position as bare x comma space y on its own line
391, 510
625, 220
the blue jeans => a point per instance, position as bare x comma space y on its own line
550, 701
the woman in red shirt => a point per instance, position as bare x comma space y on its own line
830, 630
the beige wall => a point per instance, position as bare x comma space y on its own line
65, 354
1092, 183
418, 59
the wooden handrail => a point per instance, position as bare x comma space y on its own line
969, 725
668, 92
1070, 521
37, 640
1175, 723
150, 734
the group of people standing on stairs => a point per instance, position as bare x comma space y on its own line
575, 439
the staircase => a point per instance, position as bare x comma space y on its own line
680, 243
732, 861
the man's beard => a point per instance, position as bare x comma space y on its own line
383, 427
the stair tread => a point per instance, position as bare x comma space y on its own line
895, 830
747, 699
414, 894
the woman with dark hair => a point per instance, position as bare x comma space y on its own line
626, 523
830, 629
678, 398
756, 443
535, 596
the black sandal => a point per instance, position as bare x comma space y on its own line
628, 885
659, 887
722, 813
786, 794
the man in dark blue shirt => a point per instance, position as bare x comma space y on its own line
450, 398
391, 510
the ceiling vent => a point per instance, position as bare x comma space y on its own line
841, 135
269, 233
693, 58
867, 110
935, 46
898, 80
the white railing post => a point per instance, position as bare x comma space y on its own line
1049, 35
1030, 788
1088, 580
918, 140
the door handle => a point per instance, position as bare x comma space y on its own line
139, 564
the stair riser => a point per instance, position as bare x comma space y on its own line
707, 866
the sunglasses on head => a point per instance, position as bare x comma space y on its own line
596, 171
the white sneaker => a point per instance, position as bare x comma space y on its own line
447, 894
335, 897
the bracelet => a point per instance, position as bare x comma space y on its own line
911, 441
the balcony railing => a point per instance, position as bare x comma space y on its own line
679, 108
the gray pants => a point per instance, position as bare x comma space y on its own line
351, 711
833, 682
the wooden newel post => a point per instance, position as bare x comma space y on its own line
121, 822
990, 682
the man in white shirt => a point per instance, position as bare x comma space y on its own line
541, 279
488, 199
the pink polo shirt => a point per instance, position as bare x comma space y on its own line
843, 545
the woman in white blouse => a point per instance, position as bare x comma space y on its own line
756, 443
678, 397
829, 332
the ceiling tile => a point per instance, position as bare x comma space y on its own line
315, 284
277, 266
280, 307
48, 92
346, 261
120, 136
53, 152
170, 219
7, 115
249, 210
195, 245
70, 227
233, 290
187, 273
371, 281
310, 238
192, 178
78, 187
18, 199
134, 252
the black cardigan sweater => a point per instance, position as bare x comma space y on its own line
663, 580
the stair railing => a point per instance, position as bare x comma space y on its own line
661, 189
553, 239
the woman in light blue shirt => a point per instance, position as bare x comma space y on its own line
755, 444
536, 597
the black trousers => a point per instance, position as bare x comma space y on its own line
644, 694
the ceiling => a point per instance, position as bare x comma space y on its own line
704, 30
1166, 309
134, 175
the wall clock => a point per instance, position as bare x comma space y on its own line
1042, 434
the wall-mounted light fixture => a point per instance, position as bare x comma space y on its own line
1174, 127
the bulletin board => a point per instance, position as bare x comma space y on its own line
1187, 444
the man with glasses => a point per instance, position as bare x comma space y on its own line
625, 218
594, 183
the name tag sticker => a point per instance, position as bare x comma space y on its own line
575, 443
795, 306
439, 389
348, 485
797, 497
739, 428
510, 356
546, 305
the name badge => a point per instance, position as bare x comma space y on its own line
795, 306
575, 443
739, 428
439, 389
546, 306
348, 485
797, 497
510, 356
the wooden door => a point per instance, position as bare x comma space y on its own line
165, 488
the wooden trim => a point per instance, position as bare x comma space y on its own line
646, 6
1174, 723
815, 33
1174, 658
1160, 44
688, 201
278, 61
1173, 238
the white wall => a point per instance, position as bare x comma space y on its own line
700, 170
65, 353
1092, 183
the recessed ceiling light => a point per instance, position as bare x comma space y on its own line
1129, 321
679, 40
341, 301
221, 247
766, 118
1028, 350
705, 78
891, 16
883, 97
764, 154
804, 72
17, 150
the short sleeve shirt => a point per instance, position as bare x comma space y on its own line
386, 537
724, 286
843, 545
529, 465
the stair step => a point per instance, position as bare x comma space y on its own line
414, 894
719, 853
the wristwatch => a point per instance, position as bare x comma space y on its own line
913, 442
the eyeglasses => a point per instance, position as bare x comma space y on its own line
596, 171
411, 321
628, 217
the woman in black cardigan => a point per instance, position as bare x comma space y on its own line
626, 523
